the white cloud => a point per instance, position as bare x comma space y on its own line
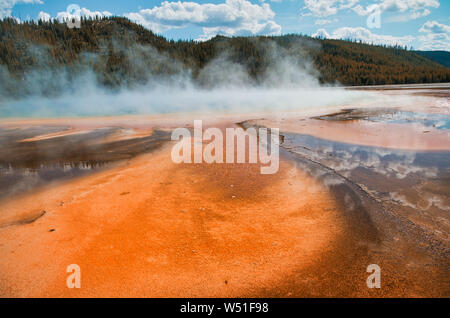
435, 41
44, 16
364, 35
322, 33
437, 36
324, 8
267, 28
434, 27
83, 12
407, 9
231, 18
7, 5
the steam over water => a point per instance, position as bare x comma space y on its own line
91, 100
88, 102
289, 83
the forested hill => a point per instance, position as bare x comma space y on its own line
121, 52
442, 57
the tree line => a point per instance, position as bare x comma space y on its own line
121, 52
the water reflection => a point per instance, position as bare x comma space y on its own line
26, 165
438, 121
411, 181
19, 180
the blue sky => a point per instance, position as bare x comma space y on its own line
423, 24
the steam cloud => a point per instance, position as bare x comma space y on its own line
222, 85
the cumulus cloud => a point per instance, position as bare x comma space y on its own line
322, 33
324, 8
435, 27
44, 16
408, 9
436, 37
83, 12
364, 35
231, 18
7, 5
80, 12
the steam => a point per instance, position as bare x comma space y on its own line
288, 83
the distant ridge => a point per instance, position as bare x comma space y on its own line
121, 52
441, 57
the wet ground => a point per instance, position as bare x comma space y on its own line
27, 162
356, 186
415, 185
397, 201
389, 115
440, 90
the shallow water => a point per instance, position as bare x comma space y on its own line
27, 165
15, 181
439, 121
414, 184
389, 115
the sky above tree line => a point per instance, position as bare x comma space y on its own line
421, 24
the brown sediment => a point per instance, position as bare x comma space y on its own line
121, 134
20, 219
136, 122
402, 88
434, 93
130, 133
65, 132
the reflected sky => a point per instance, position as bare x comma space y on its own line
391, 115
27, 165
419, 180
439, 121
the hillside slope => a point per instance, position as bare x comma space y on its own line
441, 57
120, 52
